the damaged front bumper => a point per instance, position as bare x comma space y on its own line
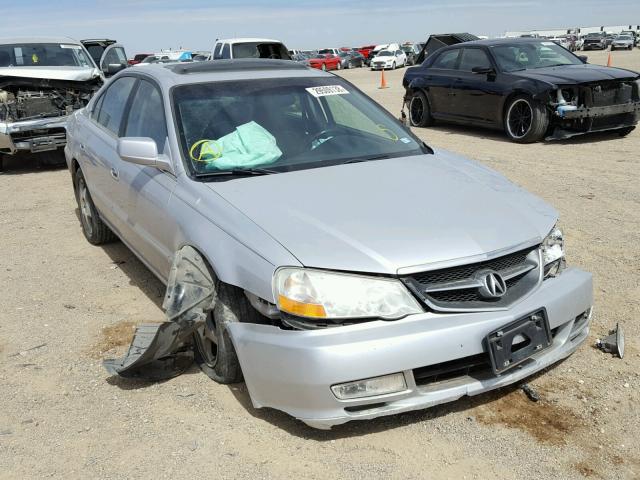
578, 121
293, 371
39, 135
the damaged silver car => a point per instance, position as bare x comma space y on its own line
42, 81
312, 245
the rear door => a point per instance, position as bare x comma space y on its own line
98, 141
440, 76
475, 96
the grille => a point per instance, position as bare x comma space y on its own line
458, 288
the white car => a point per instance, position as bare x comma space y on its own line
388, 59
230, 48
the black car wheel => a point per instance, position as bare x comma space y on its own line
419, 110
525, 121
94, 229
214, 351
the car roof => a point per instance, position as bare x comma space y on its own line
499, 41
66, 40
183, 73
246, 40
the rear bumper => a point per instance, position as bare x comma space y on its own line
293, 371
38, 135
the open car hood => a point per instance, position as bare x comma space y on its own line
77, 74
389, 215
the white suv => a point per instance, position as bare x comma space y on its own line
249, 48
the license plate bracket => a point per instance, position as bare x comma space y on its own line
515, 342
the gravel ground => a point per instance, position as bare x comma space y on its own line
65, 305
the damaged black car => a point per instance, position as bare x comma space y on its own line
531, 88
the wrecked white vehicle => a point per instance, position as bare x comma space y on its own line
42, 81
312, 245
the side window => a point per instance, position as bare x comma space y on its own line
398, 52
474, 57
146, 115
97, 107
447, 60
113, 103
226, 51
217, 51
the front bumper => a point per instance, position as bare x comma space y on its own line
293, 371
40, 135
595, 119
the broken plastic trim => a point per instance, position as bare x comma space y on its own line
164, 350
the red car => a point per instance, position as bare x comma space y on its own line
325, 62
364, 51
138, 58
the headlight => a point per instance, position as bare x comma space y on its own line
321, 294
553, 253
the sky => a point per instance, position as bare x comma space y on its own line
146, 26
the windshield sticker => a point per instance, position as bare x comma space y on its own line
547, 43
327, 90
405, 140
75, 47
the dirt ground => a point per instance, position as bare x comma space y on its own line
65, 305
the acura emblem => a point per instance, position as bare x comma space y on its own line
493, 285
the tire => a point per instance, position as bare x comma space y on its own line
95, 230
214, 352
524, 120
419, 110
324, 67
54, 158
393, 66
339, 66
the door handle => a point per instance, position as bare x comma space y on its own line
114, 173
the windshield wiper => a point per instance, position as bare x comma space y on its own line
365, 159
238, 172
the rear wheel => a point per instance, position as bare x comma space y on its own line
525, 121
419, 110
324, 67
94, 229
214, 352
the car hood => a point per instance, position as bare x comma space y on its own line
386, 215
78, 74
572, 74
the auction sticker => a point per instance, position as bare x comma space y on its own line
327, 90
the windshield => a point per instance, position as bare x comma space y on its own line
623, 37
385, 53
260, 50
283, 125
324, 51
594, 35
531, 55
44, 55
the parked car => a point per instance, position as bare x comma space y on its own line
329, 51
441, 40
106, 53
351, 60
622, 42
325, 61
364, 51
316, 300
594, 41
388, 59
138, 58
378, 48
608, 39
249, 48
530, 88
42, 81
411, 50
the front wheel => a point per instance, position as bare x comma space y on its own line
419, 110
525, 121
324, 67
339, 66
393, 66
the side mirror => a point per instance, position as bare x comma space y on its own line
143, 151
481, 70
584, 58
113, 68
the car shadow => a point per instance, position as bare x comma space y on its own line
357, 428
499, 136
27, 163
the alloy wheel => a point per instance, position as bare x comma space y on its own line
207, 340
416, 110
85, 207
519, 118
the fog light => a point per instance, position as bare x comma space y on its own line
370, 387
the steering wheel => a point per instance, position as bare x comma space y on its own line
332, 132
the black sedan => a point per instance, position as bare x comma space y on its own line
531, 88
351, 59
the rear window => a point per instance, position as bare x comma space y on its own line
43, 55
260, 50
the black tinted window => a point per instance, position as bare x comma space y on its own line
115, 99
474, 57
226, 51
447, 60
146, 116
217, 51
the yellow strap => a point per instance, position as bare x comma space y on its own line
206, 150
392, 136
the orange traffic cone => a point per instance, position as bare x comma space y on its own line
609, 60
383, 82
